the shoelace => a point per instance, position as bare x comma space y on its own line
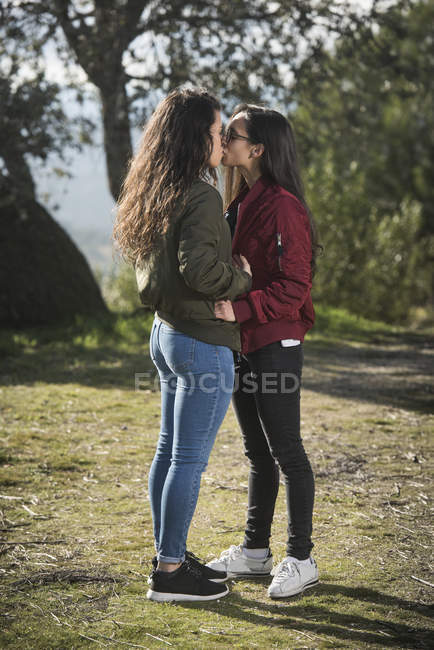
194, 570
231, 553
285, 569
191, 556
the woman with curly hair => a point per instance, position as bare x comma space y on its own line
170, 225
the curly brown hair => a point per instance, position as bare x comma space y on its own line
174, 151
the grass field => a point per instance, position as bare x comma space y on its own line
77, 441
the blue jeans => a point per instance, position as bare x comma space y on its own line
196, 381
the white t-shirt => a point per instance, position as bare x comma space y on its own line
286, 343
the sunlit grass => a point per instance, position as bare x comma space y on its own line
76, 443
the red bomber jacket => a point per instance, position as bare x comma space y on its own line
271, 229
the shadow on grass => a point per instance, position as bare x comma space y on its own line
384, 367
318, 619
104, 367
103, 353
398, 374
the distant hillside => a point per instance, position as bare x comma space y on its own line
95, 244
82, 204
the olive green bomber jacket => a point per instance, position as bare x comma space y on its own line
195, 268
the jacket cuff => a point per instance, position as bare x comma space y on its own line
242, 310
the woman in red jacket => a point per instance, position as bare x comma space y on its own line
273, 228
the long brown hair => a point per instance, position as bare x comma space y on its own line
174, 152
278, 163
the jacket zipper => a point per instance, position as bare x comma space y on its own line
237, 222
279, 249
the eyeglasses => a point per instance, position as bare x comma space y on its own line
233, 135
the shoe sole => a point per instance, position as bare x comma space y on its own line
294, 593
248, 575
162, 597
219, 580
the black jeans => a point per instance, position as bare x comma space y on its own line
267, 405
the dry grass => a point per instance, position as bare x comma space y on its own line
75, 549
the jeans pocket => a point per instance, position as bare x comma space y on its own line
179, 351
275, 358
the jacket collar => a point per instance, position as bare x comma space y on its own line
250, 195
246, 198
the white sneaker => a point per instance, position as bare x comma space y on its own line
238, 565
293, 576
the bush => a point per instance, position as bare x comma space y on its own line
119, 288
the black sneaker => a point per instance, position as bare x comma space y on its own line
207, 572
185, 583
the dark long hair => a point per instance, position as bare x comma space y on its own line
174, 152
278, 163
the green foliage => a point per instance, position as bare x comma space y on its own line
366, 130
33, 119
126, 331
339, 323
363, 116
119, 288
129, 330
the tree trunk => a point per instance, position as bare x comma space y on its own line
117, 136
19, 172
99, 50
